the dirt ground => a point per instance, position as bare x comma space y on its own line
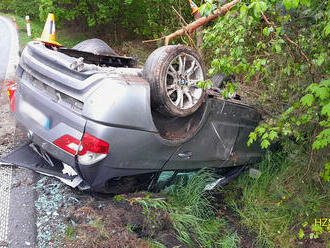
7, 123
118, 222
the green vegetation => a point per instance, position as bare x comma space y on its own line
279, 51
279, 208
68, 39
70, 233
280, 201
143, 17
63, 35
192, 214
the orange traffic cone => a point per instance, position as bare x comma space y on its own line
193, 7
48, 35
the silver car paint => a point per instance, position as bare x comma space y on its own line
116, 109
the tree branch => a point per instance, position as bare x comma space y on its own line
287, 38
190, 28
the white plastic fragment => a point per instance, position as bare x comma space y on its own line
72, 183
211, 186
67, 169
254, 173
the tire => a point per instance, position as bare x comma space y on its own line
173, 73
221, 79
95, 46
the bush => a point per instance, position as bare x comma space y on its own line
279, 50
143, 17
146, 18
21, 7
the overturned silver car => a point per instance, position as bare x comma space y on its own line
96, 120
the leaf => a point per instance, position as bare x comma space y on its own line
287, 4
321, 92
317, 228
307, 100
273, 135
325, 83
266, 31
243, 11
326, 109
253, 136
260, 130
326, 174
256, 10
265, 136
265, 144
278, 48
250, 142
301, 234
117, 198
322, 140
263, 5
306, 2
312, 236
327, 29
304, 224
295, 3
258, 7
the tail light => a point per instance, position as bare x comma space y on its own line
68, 144
90, 150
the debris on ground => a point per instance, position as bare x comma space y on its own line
53, 200
116, 222
254, 173
68, 218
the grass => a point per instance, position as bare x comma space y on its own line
192, 214
276, 204
70, 233
285, 199
156, 244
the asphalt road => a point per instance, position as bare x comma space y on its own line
5, 41
17, 212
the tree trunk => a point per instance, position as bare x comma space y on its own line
190, 28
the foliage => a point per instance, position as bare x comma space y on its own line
21, 7
280, 48
191, 213
63, 36
326, 173
282, 201
143, 17
205, 84
70, 232
118, 198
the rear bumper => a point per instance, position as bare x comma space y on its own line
61, 121
26, 157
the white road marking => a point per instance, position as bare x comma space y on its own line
14, 49
6, 171
5, 184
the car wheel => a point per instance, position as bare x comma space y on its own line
95, 46
173, 73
